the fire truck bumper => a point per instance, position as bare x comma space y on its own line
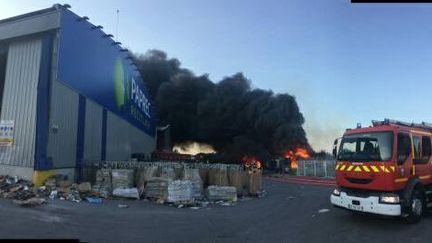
369, 204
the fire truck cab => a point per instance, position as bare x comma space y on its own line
385, 169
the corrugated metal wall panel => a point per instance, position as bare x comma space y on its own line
93, 131
123, 139
64, 116
19, 100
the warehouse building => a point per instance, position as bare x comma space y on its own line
69, 94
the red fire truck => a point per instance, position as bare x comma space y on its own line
385, 169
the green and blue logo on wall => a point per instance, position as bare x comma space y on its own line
119, 83
129, 95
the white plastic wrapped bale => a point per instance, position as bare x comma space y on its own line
221, 193
122, 178
126, 192
193, 175
157, 188
180, 191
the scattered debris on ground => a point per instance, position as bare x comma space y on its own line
31, 202
123, 206
324, 210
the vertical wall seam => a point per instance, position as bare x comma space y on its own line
80, 135
104, 135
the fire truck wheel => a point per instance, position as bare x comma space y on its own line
416, 207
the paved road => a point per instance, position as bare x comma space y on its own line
288, 213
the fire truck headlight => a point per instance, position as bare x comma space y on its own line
389, 198
336, 192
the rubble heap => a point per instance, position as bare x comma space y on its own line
58, 186
14, 188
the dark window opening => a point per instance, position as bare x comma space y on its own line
3, 61
426, 149
403, 147
417, 151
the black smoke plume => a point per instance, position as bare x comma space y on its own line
230, 115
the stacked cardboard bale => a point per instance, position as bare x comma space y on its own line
122, 181
178, 170
122, 178
168, 172
218, 175
221, 193
157, 188
254, 184
103, 186
180, 191
192, 175
236, 178
203, 172
144, 174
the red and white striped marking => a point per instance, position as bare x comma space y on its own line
304, 180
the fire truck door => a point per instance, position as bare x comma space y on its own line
421, 166
404, 158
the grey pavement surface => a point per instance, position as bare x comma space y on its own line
288, 213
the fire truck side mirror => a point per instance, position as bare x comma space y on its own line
335, 146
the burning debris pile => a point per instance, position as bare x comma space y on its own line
230, 116
294, 155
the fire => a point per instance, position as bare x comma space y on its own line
194, 148
251, 161
293, 155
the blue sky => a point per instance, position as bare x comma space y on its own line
344, 63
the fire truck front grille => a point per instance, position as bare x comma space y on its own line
358, 181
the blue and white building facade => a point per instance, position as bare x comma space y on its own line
72, 94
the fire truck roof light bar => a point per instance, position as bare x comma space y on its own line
387, 121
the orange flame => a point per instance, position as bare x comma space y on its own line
294, 155
251, 161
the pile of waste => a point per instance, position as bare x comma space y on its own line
59, 187
20, 191
165, 183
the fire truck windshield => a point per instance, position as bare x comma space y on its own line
375, 146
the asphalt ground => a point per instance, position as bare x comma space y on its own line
287, 213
